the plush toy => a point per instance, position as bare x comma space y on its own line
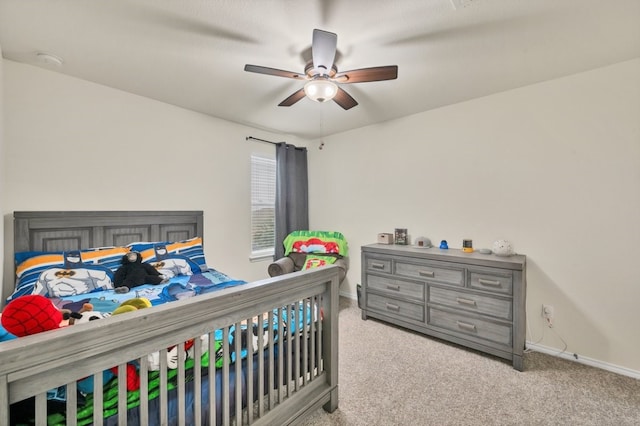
91, 316
70, 317
34, 313
132, 305
31, 314
133, 273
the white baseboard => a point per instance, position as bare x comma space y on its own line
348, 296
583, 360
565, 355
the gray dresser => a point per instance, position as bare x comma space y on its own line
472, 299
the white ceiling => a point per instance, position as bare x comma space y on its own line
191, 53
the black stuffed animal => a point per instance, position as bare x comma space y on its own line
133, 273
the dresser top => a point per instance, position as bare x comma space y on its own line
516, 262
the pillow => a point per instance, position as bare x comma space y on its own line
56, 274
173, 258
315, 242
110, 257
315, 261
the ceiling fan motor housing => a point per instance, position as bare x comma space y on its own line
311, 72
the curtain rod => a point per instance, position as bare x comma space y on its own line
262, 140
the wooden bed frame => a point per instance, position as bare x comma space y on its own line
298, 380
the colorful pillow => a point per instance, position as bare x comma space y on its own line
315, 242
173, 258
315, 261
111, 257
56, 274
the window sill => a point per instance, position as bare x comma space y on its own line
260, 257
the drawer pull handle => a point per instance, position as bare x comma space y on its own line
393, 287
466, 326
392, 307
489, 282
377, 265
466, 301
427, 274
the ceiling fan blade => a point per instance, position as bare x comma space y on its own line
323, 49
295, 97
273, 71
344, 99
363, 75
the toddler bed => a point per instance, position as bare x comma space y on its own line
223, 351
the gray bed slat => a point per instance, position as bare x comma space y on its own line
237, 348
143, 368
197, 380
122, 395
249, 374
226, 359
97, 399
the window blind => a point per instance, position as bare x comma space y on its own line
263, 198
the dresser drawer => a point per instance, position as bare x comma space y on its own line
485, 305
378, 265
394, 307
466, 326
397, 288
431, 272
495, 281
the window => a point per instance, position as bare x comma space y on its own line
263, 202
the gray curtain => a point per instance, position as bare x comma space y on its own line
292, 185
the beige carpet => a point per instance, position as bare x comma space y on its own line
390, 376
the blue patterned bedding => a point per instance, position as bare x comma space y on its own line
179, 287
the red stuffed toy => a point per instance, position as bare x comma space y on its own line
31, 314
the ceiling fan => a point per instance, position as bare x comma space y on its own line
322, 75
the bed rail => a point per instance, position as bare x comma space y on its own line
288, 376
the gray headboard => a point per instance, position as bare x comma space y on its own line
75, 230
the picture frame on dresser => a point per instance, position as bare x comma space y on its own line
471, 299
400, 236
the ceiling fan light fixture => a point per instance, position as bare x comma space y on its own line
320, 90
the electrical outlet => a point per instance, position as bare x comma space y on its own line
547, 312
